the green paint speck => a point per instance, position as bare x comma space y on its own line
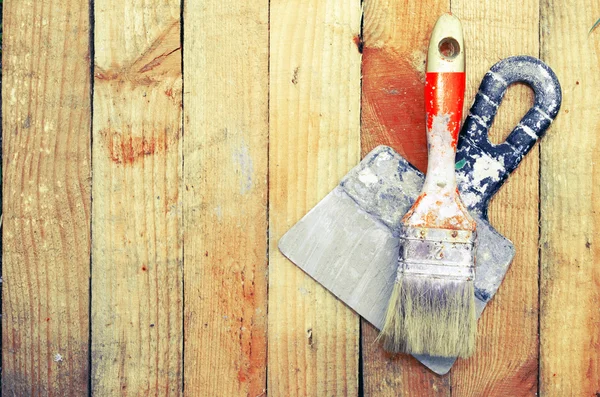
460, 164
595, 26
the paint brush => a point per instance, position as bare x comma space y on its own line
432, 308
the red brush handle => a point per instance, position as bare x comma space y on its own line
439, 204
444, 95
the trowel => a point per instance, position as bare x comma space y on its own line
349, 242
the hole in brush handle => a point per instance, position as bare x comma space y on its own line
449, 48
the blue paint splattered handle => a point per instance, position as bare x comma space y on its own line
482, 166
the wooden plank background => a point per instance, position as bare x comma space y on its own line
314, 138
225, 197
46, 119
154, 151
136, 285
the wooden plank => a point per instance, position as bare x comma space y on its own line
396, 38
47, 197
225, 197
506, 360
136, 237
314, 140
570, 193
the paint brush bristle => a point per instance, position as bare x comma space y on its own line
432, 307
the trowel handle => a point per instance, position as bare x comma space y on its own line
484, 164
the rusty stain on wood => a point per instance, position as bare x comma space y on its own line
393, 110
126, 149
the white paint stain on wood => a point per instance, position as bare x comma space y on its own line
244, 167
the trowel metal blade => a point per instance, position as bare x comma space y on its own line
349, 241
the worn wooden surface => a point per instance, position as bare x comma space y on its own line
225, 197
46, 196
314, 127
137, 291
570, 194
180, 219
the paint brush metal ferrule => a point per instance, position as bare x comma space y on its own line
437, 253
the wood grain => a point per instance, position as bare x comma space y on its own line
314, 140
225, 197
396, 38
570, 203
506, 359
46, 196
137, 294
